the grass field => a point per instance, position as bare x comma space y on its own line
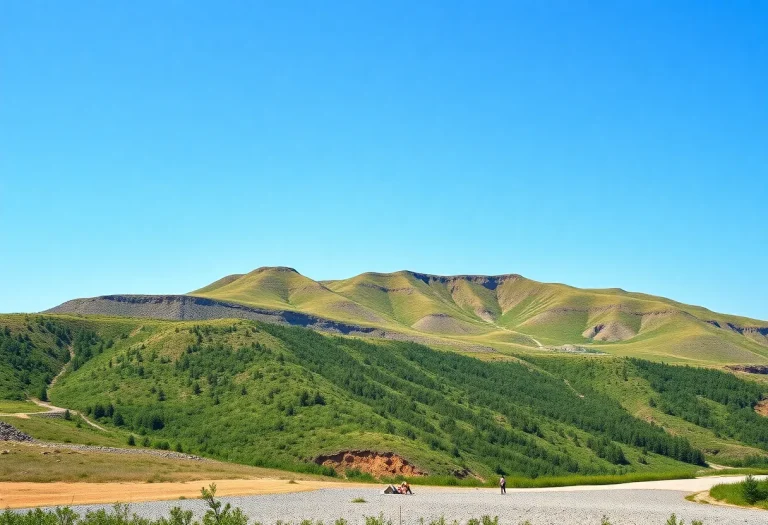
11, 407
27, 463
57, 430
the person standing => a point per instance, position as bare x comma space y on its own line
503, 484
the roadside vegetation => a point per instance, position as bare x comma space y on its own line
748, 493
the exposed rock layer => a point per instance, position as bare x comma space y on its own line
375, 463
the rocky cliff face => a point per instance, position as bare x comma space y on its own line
190, 308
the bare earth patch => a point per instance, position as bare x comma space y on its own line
375, 463
25, 495
762, 408
609, 332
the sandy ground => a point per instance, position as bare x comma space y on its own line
26, 495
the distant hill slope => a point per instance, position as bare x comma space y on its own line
503, 313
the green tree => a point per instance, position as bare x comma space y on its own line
751, 490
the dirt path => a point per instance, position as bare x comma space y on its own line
24, 495
58, 410
51, 409
63, 368
538, 344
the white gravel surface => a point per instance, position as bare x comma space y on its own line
559, 507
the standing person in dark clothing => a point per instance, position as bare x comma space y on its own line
503, 485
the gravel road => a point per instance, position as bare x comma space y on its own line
561, 507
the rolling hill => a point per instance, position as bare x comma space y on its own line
471, 313
286, 397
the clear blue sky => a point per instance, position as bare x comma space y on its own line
153, 147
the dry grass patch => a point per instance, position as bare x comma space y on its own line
30, 463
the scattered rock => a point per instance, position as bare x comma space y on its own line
75, 449
749, 369
11, 433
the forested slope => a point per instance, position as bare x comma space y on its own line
277, 396
280, 396
32, 351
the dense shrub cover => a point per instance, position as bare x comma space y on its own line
279, 396
30, 356
709, 398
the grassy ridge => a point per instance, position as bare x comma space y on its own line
508, 313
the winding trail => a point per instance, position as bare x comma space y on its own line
52, 410
505, 329
63, 368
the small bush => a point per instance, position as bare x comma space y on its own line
377, 520
751, 490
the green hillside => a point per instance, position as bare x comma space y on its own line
32, 351
273, 396
508, 313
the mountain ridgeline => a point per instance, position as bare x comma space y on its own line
470, 313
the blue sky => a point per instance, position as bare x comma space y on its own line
153, 147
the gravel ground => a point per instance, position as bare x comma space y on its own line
621, 507
167, 454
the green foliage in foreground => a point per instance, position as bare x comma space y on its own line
217, 514
750, 492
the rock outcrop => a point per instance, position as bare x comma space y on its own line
11, 433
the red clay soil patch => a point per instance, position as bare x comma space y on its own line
377, 464
762, 408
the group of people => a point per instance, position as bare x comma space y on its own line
403, 488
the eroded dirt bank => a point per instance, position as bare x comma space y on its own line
377, 464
